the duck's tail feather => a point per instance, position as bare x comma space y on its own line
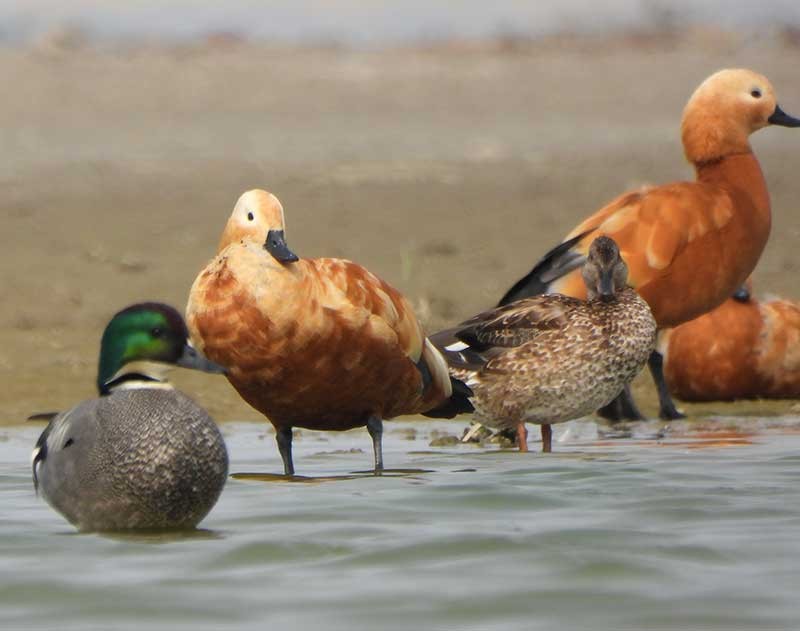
458, 353
436, 382
457, 403
558, 262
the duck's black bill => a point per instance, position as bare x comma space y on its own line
276, 246
606, 286
779, 117
191, 358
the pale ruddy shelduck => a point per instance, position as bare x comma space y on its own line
553, 358
321, 344
743, 349
143, 455
688, 245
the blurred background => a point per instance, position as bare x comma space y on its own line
444, 145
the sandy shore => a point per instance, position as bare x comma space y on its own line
446, 171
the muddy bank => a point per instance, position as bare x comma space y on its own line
448, 172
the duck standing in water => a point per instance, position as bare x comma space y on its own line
142, 456
316, 343
689, 245
552, 358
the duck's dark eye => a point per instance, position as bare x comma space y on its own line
755, 93
249, 216
68, 443
157, 332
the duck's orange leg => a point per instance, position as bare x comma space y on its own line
547, 438
522, 437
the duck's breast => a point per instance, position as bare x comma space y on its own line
146, 458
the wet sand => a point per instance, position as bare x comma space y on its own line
448, 171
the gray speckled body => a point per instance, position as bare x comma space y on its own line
559, 358
137, 459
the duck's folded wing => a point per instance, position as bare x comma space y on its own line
651, 226
393, 318
356, 293
515, 324
475, 342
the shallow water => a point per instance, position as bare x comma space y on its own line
683, 533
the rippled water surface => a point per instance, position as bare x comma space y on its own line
684, 533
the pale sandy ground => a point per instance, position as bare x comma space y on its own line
446, 171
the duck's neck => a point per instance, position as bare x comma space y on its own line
138, 375
739, 172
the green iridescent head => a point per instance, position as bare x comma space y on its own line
146, 335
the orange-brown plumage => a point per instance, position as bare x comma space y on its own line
315, 343
688, 245
740, 350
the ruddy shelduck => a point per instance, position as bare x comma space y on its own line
321, 344
552, 358
743, 349
688, 245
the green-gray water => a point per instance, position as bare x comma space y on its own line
622, 534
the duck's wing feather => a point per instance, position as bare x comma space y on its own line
475, 342
392, 316
559, 261
517, 323
651, 226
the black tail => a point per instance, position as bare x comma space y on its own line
458, 403
558, 262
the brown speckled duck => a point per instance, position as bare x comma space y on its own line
316, 343
553, 358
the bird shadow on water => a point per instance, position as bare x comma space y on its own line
354, 475
152, 536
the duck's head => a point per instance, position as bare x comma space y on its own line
141, 343
258, 218
722, 113
604, 271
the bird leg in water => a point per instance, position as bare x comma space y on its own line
622, 408
283, 436
375, 429
522, 437
547, 438
666, 406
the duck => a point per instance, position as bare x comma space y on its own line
553, 358
744, 349
315, 343
690, 244
142, 455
